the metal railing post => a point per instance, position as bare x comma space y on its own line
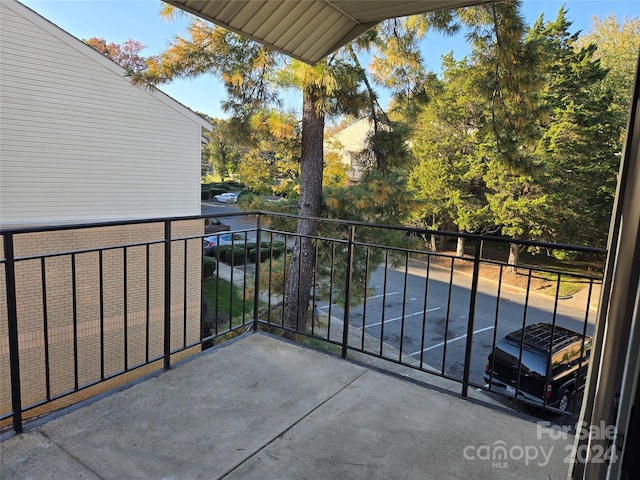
167, 294
472, 315
347, 292
256, 293
12, 315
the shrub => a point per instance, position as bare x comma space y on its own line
204, 195
565, 255
235, 256
209, 267
220, 186
277, 252
216, 191
221, 251
264, 254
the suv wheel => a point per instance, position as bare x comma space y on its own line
565, 400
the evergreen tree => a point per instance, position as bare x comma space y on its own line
617, 42
579, 138
449, 174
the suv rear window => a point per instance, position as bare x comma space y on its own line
531, 359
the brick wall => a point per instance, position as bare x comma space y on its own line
130, 282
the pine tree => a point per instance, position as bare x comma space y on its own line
252, 75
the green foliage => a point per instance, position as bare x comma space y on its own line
217, 191
220, 251
378, 198
516, 202
283, 156
497, 138
209, 267
223, 151
579, 139
520, 137
236, 255
265, 253
269, 163
617, 43
565, 255
274, 275
333, 264
208, 178
449, 173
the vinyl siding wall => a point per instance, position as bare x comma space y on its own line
79, 142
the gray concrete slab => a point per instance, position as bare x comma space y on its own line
33, 456
263, 408
386, 428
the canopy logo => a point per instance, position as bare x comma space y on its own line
600, 448
500, 454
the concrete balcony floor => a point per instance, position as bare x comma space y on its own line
264, 408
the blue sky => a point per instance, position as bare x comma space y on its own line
119, 20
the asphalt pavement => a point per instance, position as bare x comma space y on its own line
429, 322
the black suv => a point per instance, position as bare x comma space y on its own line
549, 372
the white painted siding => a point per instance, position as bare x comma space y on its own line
78, 142
354, 137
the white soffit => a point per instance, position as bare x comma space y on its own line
308, 30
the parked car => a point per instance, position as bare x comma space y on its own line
212, 242
549, 371
227, 197
213, 225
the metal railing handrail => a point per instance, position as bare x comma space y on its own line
349, 244
262, 213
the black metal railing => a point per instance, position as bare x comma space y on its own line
78, 316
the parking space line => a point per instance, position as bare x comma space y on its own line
400, 318
452, 340
368, 298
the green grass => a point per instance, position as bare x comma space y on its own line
210, 178
218, 294
569, 285
583, 265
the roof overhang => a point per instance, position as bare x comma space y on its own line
308, 30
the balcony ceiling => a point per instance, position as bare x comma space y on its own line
308, 30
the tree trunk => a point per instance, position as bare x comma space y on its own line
460, 247
514, 257
300, 276
432, 243
442, 243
